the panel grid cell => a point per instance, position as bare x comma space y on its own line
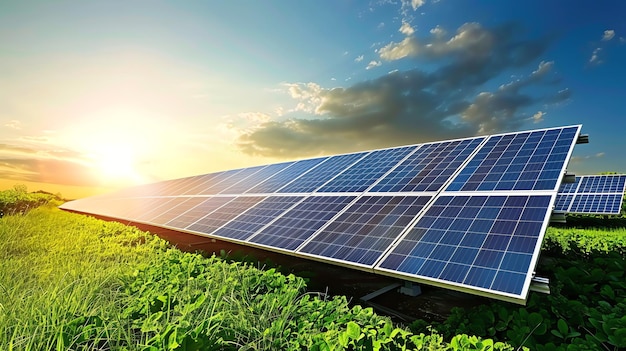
365, 230
171, 208
563, 202
232, 180
521, 161
256, 178
428, 168
602, 184
257, 217
601, 194
298, 224
476, 241
207, 206
364, 173
312, 180
211, 180
286, 176
597, 203
209, 223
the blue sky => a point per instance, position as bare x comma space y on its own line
97, 95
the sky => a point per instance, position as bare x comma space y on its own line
98, 95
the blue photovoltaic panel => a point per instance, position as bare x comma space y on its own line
211, 180
428, 168
299, 223
286, 176
158, 206
176, 209
256, 178
177, 186
600, 194
257, 217
520, 161
312, 180
475, 241
602, 184
209, 223
563, 201
216, 188
131, 208
207, 206
365, 230
569, 188
597, 203
364, 173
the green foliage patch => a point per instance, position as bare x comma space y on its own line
19, 200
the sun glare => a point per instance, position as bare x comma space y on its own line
116, 162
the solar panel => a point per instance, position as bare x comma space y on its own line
518, 161
363, 232
479, 242
312, 180
295, 226
207, 206
366, 171
247, 183
281, 179
602, 184
222, 215
466, 214
428, 168
600, 194
255, 218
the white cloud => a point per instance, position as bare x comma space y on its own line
595, 58
373, 64
358, 58
396, 51
438, 32
415, 4
471, 41
381, 25
14, 124
608, 35
308, 95
538, 117
406, 29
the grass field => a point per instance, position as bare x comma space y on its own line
72, 282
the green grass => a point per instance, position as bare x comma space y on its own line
71, 282
57, 267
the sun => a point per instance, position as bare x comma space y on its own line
115, 163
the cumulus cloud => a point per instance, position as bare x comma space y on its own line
415, 4
358, 58
406, 29
373, 64
405, 107
608, 35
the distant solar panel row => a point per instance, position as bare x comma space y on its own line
467, 214
600, 194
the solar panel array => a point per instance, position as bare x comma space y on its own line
467, 214
599, 194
